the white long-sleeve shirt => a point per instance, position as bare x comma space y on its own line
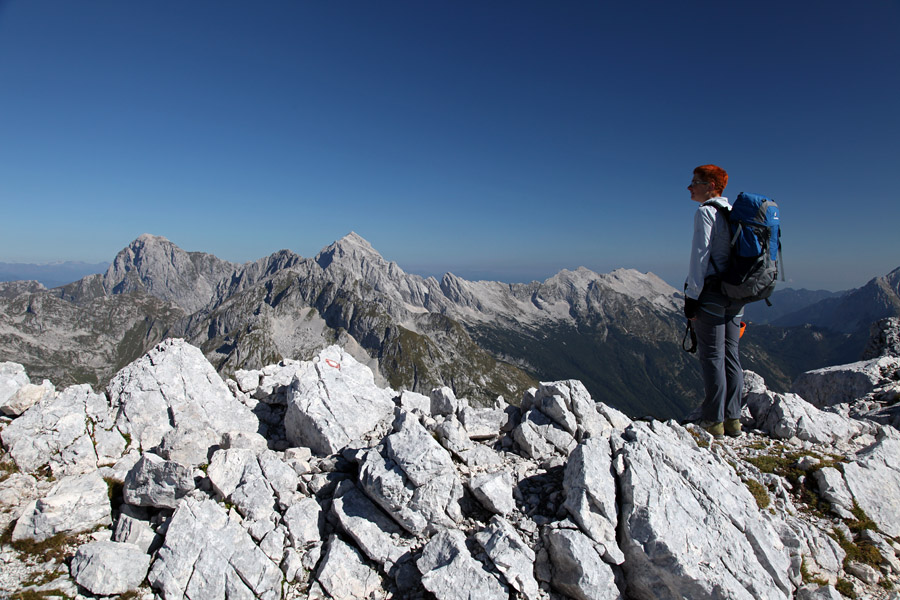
711, 244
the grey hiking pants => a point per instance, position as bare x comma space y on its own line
723, 378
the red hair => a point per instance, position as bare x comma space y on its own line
713, 174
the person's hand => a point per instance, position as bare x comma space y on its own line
691, 307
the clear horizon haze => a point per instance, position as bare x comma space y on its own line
495, 140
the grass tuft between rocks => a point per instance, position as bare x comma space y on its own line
759, 493
845, 588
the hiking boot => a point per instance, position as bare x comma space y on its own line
717, 430
733, 427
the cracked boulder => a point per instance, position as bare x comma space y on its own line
334, 400
64, 432
690, 528
413, 478
75, 504
108, 568
208, 554
450, 572
173, 392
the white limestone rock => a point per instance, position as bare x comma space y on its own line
247, 380
833, 489
304, 521
818, 592
275, 380
334, 400
108, 568
413, 478
16, 489
173, 387
12, 378
590, 488
578, 411
578, 569
511, 556
450, 573
690, 528
187, 445
344, 575
25, 397
279, 475
254, 483
56, 432
226, 469
253, 497
494, 492
540, 437
208, 555
443, 402
483, 423
133, 530
816, 550
372, 530
844, 383
249, 440
874, 480
454, 437
415, 402
76, 503
157, 482
785, 416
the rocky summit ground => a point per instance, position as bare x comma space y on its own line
308, 480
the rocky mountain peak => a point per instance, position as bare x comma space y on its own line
351, 251
155, 265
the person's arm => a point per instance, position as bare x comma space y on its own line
704, 220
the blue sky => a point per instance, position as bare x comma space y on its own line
497, 140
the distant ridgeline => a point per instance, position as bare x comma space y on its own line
49, 275
619, 333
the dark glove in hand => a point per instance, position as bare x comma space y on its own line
691, 307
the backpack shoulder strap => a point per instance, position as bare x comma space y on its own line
727, 215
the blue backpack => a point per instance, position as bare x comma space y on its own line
752, 268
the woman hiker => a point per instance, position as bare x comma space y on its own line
716, 321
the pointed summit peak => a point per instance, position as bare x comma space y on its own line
355, 239
352, 249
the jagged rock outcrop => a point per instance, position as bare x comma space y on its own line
846, 383
567, 498
173, 397
71, 432
12, 379
154, 265
884, 339
669, 487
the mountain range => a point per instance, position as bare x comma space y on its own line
620, 333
